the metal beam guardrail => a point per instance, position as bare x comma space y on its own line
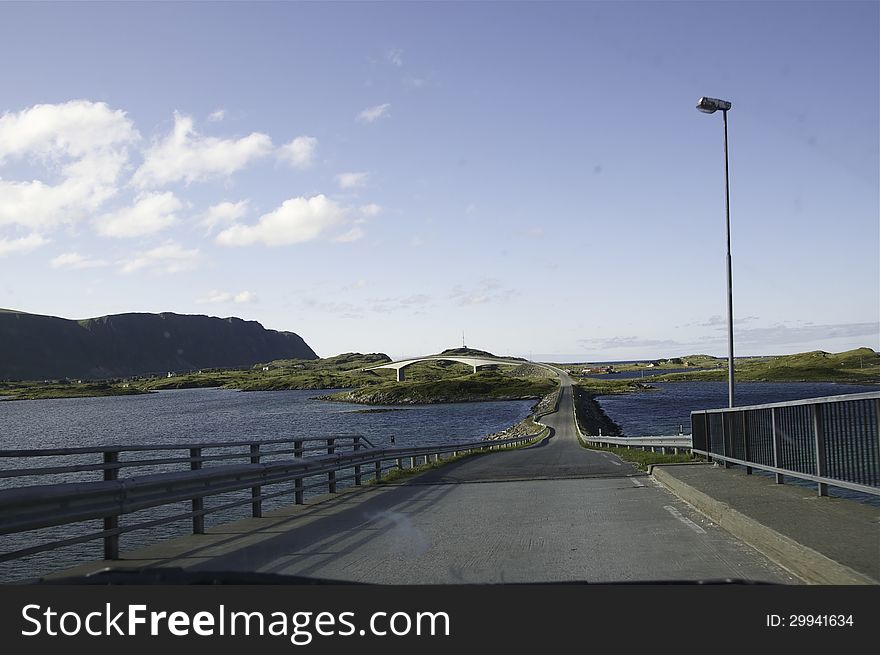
663, 443
832, 441
35, 507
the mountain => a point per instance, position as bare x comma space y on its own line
121, 345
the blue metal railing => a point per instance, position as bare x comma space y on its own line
832, 441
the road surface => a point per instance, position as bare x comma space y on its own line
549, 513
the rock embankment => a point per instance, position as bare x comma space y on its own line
591, 419
529, 425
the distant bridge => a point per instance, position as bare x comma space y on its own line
476, 362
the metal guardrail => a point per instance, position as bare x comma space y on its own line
832, 441
40, 506
664, 443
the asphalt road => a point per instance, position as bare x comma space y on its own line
548, 513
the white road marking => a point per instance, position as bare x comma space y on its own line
637, 482
693, 526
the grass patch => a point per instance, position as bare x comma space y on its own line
43, 391
645, 458
489, 385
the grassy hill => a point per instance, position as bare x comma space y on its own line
859, 365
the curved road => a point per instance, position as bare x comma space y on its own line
552, 512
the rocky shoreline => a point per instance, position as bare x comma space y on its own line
591, 418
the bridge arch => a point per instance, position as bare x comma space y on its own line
475, 362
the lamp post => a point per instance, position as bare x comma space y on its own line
710, 106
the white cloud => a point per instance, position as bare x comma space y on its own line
353, 234
223, 213
217, 116
370, 210
151, 213
395, 56
170, 257
23, 244
352, 180
82, 144
300, 152
226, 297
73, 260
372, 114
187, 156
295, 221
415, 82
74, 129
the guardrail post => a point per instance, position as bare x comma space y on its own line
331, 476
198, 504
378, 470
777, 444
256, 503
111, 542
412, 462
357, 467
298, 483
399, 463
819, 440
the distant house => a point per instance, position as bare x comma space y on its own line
266, 368
170, 375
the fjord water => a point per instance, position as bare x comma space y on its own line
209, 415
660, 411
203, 415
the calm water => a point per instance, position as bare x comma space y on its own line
662, 411
192, 415
204, 415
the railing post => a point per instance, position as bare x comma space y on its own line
111, 542
198, 504
256, 503
399, 463
777, 444
819, 441
747, 452
724, 438
331, 476
378, 470
357, 467
298, 483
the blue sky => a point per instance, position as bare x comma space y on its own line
380, 177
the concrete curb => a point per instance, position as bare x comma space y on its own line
811, 566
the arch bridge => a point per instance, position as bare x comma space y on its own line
475, 362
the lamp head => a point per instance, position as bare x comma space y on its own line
711, 105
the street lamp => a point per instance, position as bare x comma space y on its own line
710, 106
